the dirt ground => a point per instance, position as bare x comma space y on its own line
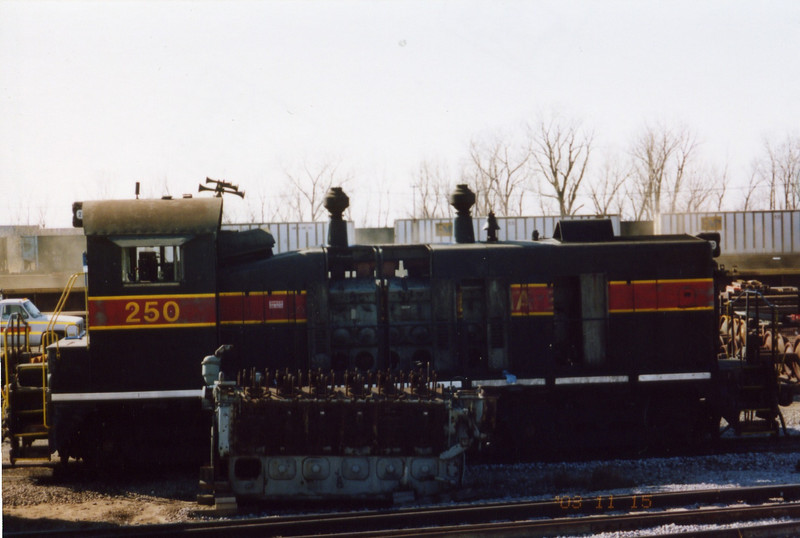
35, 498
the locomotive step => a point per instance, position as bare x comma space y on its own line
758, 431
31, 453
23, 357
225, 505
205, 499
218, 486
37, 431
30, 366
25, 389
30, 374
38, 411
759, 426
25, 401
30, 429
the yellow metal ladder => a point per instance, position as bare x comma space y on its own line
25, 388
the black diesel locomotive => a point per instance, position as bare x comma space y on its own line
583, 340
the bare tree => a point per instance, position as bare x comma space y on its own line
661, 160
430, 190
561, 153
41, 213
779, 170
29, 211
374, 204
753, 184
500, 172
704, 190
767, 171
684, 149
307, 187
380, 204
265, 205
606, 192
721, 183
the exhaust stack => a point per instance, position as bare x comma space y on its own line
463, 199
336, 201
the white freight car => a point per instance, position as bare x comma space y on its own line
413, 231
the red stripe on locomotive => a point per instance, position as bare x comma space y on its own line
262, 307
531, 300
161, 311
652, 295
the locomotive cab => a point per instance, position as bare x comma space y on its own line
150, 280
131, 392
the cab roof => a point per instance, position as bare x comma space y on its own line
152, 217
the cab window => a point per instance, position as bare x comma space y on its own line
152, 262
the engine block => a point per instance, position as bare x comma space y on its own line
315, 435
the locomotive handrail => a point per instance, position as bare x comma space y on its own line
755, 338
49, 333
778, 359
13, 319
745, 314
5, 374
57, 312
752, 292
5, 369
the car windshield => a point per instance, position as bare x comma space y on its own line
32, 310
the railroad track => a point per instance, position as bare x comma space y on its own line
562, 515
591, 525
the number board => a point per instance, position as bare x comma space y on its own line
152, 311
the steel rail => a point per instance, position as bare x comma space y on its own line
423, 521
590, 525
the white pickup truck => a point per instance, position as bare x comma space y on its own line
34, 322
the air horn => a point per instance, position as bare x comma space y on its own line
221, 187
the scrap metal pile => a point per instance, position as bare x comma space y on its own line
774, 311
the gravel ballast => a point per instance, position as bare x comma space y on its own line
34, 498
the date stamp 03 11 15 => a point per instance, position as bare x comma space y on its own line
604, 502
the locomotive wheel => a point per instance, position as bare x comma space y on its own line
708, 424
14, 451
63, 457
795, 365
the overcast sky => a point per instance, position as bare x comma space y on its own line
95, 96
